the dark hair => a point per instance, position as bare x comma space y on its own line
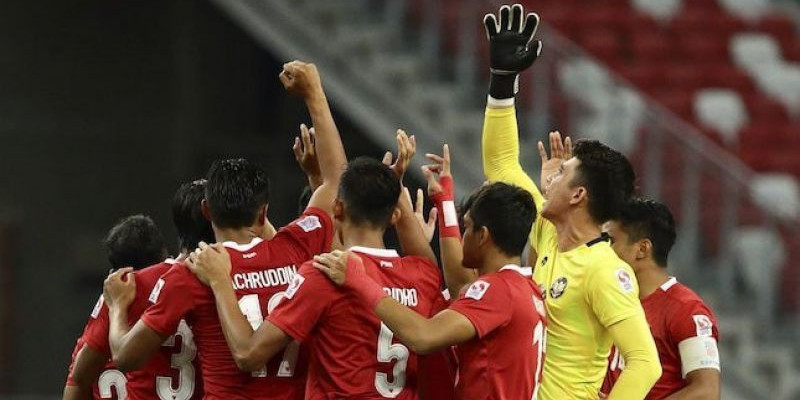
650, 219
188, 217
135, 241
369, 190
507, 211
304, 199
235, 191
607, 176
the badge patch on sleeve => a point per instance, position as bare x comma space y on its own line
294, 285
703, 324
625, 281
309, 223
477, 290
156, 291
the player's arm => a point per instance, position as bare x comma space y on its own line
642, 367
409, 231
420, 334
85, 370
511, 52
250, 350
131, 347
305, 154
303, 79
701, 384
442, 192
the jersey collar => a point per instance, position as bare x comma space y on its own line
524, 271
243, 247
669, 283
386, 253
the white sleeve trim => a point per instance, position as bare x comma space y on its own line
698, 352
499, 103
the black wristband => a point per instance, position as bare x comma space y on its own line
502, 86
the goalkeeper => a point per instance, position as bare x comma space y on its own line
591, 295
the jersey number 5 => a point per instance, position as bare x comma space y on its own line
388, 352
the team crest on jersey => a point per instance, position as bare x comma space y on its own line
625, 281
97, 307
703, 324
477, 290
156, 291
309, 223
558, 287
294, 285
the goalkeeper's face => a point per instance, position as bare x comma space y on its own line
560, 192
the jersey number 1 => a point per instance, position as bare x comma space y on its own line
251, 308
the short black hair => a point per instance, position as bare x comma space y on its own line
649, 219
135, 241
607, 175
188, 217
369, 190
235, 191
507, 211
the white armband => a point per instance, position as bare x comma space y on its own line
698, 352
499, 103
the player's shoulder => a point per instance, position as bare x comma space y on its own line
684, 297
312, 218
150, 274
494, 284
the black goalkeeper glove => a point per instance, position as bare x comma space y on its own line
510, 48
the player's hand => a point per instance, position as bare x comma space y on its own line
510, 48
301, 79
429, 226
440, 165
334, 265
211, 264
305, 153
119, 288
560, 151
406, 149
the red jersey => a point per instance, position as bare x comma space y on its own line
354, 355
111, 382
678, 319
508, 313
169, 375
261, 272
438, 370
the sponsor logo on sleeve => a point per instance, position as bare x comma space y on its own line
544, 261
297, 281
703, 325
477, 290
156, 291
558, 287
97, 307
625, 281
309, 223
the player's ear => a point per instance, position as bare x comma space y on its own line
205, 209
645, 249
396, 214
338, 209
262, 215
579, 194
484, 236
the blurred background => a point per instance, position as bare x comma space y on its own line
106, 107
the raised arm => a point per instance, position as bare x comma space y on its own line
250, 350
85, 369
409, 231
511, 52
303, 80
442, 192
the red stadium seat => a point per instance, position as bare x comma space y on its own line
601, 43
652, 46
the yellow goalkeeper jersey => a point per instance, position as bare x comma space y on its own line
587, 289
